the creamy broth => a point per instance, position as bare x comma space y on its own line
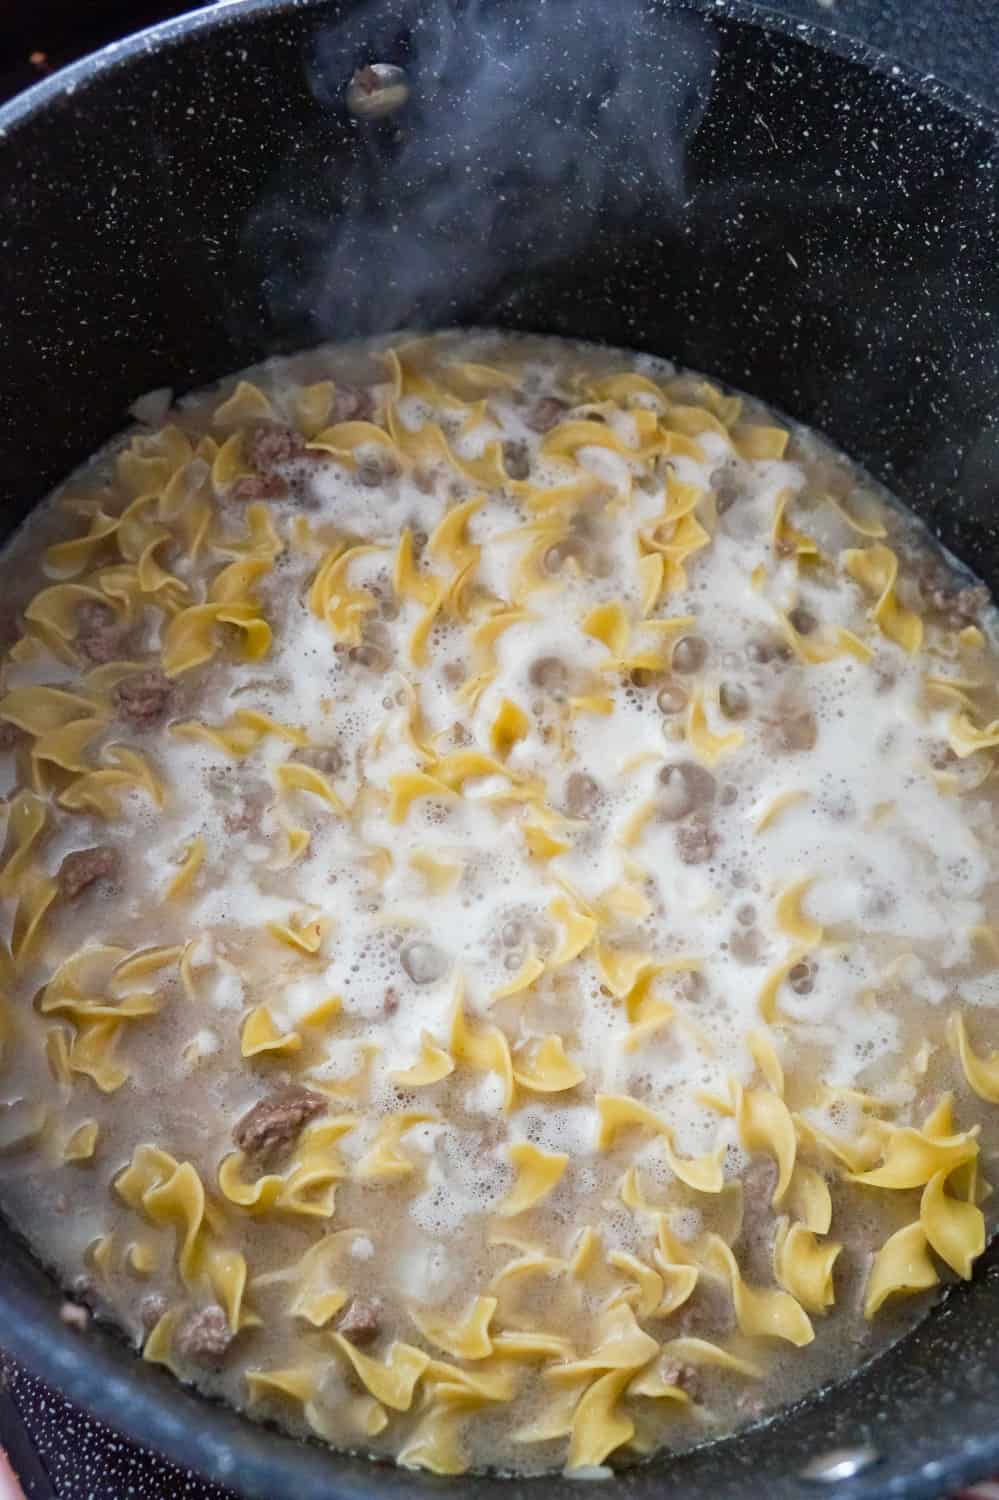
501, 900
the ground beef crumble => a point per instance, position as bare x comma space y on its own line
204, 1337
143, 699
272, 444
273, 1123
547, 414
85, 866
101, 636
361, 1322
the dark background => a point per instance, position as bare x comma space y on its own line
58, 1452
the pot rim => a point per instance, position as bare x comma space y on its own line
221, 13
94, 1371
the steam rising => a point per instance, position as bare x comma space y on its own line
530, 123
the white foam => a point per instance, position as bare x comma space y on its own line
857, 834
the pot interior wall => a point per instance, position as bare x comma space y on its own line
759, 208
816, 232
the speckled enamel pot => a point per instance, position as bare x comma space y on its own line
804, 220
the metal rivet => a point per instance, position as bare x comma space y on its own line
839, 1464
377, 89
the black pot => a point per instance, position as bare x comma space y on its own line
703, 181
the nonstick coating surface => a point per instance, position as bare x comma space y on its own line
831, 247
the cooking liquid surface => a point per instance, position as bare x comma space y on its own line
541, 855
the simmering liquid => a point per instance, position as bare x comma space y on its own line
501, 902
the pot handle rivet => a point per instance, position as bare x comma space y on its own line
376, 90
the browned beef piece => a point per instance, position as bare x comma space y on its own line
272, 444
10, 736
696, 840
260, 487
708, 1312
547, 414
361, 1322
756, 1238
241, 819
204, 1337
83, 867
352, 404
273, 1123
143, 699
759, 1183
516, 459
101, 636
961, 605
328, 760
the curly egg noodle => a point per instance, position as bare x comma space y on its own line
501, 902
